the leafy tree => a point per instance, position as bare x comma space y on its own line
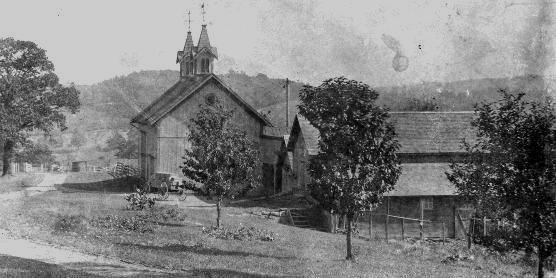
78, 139
222, 157
510, 173
31, 97
125, 148
35, 154
357, 161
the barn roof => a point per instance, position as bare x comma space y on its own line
181, 91
310, 135
417, 132
432, 132
423, 179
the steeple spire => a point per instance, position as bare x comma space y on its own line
204, 41
188, 47
203, 12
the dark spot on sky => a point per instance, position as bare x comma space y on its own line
420, 46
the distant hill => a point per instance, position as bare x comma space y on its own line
108, 106
434, 96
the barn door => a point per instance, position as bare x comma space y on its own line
268, 177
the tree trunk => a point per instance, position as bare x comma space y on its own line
542, 258
348, 237
218, 205
7, 156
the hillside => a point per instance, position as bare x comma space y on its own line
434, 96
108, 106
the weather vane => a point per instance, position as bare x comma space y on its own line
203, 12
189, 20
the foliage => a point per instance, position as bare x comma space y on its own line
69, 223
122, 223
78, 139
167, 214
222, 157
510, 174
239, 233
357, 163
139, 200
31, 97
35, 154
125, 148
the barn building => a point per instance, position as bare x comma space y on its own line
163, 125
429, 141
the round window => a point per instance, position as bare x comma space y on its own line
211, 99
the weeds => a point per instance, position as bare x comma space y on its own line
139, 200
240, 233
69, 223
121, 223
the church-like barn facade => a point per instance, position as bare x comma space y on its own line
163, 125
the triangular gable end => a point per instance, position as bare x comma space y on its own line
171, 100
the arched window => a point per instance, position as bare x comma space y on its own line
189, 68
205, 65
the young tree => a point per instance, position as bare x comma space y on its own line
35, 154
510, 172
30, 95
222, 157
78, 139
357, 161
125, 148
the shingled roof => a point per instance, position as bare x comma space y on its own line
181, 91
423, 179
417, 132
433, 132
310, 135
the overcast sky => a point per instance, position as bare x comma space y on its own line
90, 41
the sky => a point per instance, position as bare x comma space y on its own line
379, 42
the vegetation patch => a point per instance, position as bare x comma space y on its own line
139, 200
165, 214
123, 223
70, 224
239, 233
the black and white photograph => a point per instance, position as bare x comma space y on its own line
278, 138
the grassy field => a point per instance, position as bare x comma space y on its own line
177, 242
10, 183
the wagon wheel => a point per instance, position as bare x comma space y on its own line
163, 191
182, 196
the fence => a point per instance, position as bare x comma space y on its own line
124, 170
372, 225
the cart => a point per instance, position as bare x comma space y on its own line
164, 183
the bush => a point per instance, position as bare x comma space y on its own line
139, 200
70, 223
240, 233
167, 214
122, 223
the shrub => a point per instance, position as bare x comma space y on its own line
122, 223
240, 233
139, 200
167, 214
69, 223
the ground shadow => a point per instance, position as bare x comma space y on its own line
11, 266
200, 250
277, 202
207, 272
118, 185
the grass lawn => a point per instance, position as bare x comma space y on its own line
10, 183
177, 242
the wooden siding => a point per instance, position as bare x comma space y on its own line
171, 138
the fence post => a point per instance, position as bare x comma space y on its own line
469, 234
371, 223
484, 226
403, 229
387, 216
443, 234
421, 233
